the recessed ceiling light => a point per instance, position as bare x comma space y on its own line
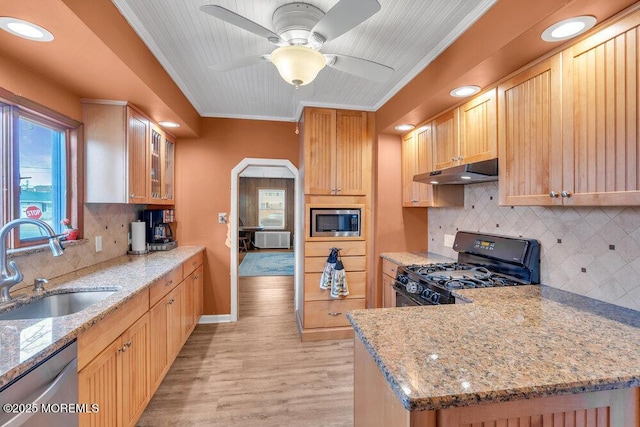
465, 177
568, 28
404, 127
434, 182
169, 124
462, 91
25, 29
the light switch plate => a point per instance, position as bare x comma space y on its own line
98, 243
448, 240
222, 217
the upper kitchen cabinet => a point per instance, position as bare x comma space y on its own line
417, 158
129, 159
530, 141
117, 152
337, 152
601, 152
569, 125
161, 167
467, 134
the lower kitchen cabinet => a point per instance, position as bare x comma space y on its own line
123, 358
117, 380
389, 270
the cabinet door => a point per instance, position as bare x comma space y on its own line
137, 149
198, 283
135, 371
600, 120
168, 170
353, 154
424, 164
319, 151
530, 139
388, 293
98, 383
188, 306
409, 167
445, 140
158, 342
478, 129
174, 322
155, 164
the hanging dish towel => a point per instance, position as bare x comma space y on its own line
327, 273
339, 286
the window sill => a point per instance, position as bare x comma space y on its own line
15, 253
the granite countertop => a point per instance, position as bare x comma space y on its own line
408, 258
508, 344
25, 343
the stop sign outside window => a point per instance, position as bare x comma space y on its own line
33, 212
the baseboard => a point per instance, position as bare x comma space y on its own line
214, 318
321, 334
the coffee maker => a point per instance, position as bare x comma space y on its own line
158, 230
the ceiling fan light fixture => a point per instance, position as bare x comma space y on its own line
298, 65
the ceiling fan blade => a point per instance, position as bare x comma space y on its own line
242, 22
234, 64
360, 67
345, 15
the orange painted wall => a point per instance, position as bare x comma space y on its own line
398, 229
27, 84
203, 188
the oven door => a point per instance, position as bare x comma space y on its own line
403, 301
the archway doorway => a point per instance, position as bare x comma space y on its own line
236, 172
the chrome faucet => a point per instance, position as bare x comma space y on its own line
11, 276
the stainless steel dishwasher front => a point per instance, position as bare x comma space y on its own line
46, 395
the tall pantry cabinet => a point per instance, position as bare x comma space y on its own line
336, 172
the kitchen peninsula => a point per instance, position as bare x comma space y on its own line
531, 353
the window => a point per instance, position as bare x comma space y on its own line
39, 175
271, 208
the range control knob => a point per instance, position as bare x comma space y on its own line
435, 297
414, 288
402, 278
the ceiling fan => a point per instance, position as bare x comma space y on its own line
300, 31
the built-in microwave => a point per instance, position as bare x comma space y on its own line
335, 222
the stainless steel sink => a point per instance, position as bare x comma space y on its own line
56, 305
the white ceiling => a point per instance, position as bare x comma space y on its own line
405, 35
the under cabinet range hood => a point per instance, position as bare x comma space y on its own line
472, 173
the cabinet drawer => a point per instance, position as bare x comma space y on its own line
191, 264
389, 268
163, 285
327, 314
320, 249
95, 339
355, 281
351, 263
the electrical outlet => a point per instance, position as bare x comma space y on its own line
222, 217
448, 240
98, 243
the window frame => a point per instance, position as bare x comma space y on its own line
12, 107
284, 208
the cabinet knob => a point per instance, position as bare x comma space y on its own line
414, 201
334, 314
339, 190
196, 277
169, 283
565, 194
460, 158
453, 159
132, 195
171, 301
127, 344
553, 194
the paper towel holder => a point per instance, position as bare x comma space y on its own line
142, 252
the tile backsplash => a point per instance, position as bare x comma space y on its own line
592, 251
111, 221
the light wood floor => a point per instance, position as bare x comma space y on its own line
256, 372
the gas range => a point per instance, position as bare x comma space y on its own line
484, 260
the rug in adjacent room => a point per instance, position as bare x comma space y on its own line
267, 264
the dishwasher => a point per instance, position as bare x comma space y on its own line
47, 394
